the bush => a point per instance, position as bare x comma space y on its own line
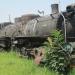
57, 55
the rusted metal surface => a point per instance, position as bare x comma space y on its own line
25, 18
41, 27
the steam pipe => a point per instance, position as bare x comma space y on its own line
64, 25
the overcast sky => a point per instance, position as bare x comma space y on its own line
16, 8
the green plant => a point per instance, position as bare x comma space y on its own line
57, 55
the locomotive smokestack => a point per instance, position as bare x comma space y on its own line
55, 8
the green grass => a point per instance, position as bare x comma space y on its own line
12, 64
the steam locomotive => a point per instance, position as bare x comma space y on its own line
30, 31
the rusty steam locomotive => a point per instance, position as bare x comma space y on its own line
30, 31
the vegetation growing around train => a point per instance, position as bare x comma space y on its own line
57, 57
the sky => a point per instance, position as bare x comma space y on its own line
17, 8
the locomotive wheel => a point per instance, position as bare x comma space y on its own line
29, 53
23, 51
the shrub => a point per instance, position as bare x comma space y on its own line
57, 55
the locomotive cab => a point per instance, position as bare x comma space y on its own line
70, 8
70, 13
